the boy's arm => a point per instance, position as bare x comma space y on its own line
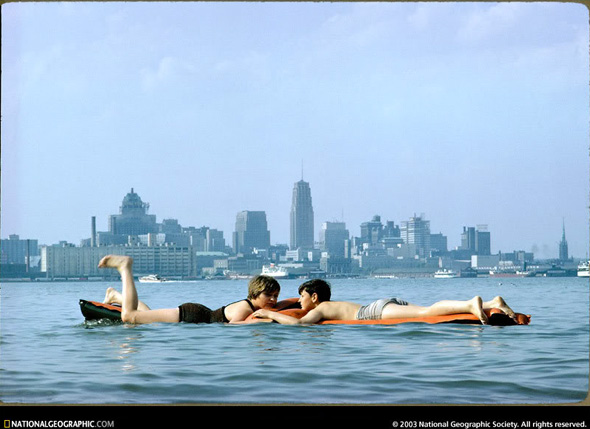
312, 317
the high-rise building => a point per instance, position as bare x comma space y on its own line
215, 241
251, 232
438, 243
372, 231
391, 230
332, 238
483, 242
301, 217
563, 251
17, 251
468, 238
133, 218
70, 261
417, 231
476, 240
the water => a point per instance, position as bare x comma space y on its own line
50, 355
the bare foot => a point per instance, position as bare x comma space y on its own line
499, 303
112, 296
115, 261
477, 309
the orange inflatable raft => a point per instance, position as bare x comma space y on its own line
496, 317
93, 310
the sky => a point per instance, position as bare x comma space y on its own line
465, 113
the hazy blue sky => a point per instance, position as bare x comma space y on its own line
470, 113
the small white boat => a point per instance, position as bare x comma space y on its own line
273, 271
583, 269
446, 274
152, 278
385, 276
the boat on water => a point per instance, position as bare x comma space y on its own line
511, 273
273, 271
152, 278
446, 274
583, 269
238, 276
385, 276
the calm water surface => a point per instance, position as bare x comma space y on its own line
49, 354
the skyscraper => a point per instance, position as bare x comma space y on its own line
372, 231
417, 231
332, 238
468, 239
301, 217
483, 241
251, 232
476, 240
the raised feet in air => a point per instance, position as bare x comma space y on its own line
116, 261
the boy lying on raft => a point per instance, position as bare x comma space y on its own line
263, 292
315, 298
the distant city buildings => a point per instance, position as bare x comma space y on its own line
68, 261
166, 248
19, 255
17, 251
173, 250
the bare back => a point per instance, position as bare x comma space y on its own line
333, 310
238, 311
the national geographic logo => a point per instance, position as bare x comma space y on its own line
10, 424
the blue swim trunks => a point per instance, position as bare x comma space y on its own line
374, 310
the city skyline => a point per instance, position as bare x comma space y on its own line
140, 221
471, 113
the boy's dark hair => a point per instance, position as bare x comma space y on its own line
319, 286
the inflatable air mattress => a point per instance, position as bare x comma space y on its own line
92, 310
96, 310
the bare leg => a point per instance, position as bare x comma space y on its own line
499, 303
113, 296
130, 302
441, 308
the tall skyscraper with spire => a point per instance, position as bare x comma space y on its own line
301, 217
563, 253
